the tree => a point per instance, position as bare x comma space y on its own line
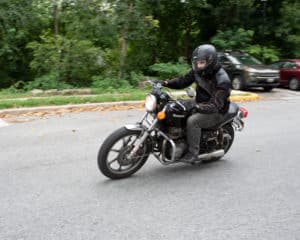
288, 30
18, 26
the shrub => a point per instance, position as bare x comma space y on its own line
169, 70
267, 54
75, 61
109, 83
48, 81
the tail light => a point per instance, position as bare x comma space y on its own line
243, 112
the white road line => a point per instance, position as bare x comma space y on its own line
3, 123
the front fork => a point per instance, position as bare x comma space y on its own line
142, 139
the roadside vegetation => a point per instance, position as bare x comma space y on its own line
113, 46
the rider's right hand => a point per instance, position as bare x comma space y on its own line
162, 82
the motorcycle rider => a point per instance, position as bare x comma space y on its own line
213, 88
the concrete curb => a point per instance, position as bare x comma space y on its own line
238, 96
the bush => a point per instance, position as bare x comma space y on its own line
48, 81
233, 39
169, 70
75, 61
109, 83
135, 78
267, 54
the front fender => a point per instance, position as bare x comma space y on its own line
134, 127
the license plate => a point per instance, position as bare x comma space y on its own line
270, 80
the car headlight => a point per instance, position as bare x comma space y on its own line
150, 103
251, 71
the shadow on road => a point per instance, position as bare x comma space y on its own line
158, 173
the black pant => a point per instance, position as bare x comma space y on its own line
195, 123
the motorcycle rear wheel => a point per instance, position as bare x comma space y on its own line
228, 137
113, 159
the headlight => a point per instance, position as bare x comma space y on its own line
250, 71
150, 103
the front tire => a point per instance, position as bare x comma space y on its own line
113, 159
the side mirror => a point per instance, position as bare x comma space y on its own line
191, 92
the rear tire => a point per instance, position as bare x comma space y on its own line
228, 137
294, 84
119, 166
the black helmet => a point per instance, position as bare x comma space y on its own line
207, 53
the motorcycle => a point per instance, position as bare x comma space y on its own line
162, 133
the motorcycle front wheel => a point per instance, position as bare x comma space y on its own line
113, 159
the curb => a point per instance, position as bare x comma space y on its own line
6, 113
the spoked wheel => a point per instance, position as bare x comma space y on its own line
113, 157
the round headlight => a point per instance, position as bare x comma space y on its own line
150, 103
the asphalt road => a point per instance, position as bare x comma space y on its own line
50, 187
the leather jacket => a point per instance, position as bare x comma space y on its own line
212, 90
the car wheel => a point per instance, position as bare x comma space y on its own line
294, 84
268, 89
238, 83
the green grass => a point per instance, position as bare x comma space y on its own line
8, 95
12, 101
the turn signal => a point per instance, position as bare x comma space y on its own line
244, 111
161, 115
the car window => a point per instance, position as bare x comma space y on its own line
289, 65
224, 60
248, 60
234, 60
277, 65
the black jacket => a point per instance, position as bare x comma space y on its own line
213, 90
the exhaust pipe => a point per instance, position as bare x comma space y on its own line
212, 155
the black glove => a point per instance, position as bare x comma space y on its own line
162, 82
205, 108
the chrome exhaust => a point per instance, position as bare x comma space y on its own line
212, 155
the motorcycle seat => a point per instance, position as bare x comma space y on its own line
232, 112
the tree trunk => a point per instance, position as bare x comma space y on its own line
124, 44
55, 17
124, 47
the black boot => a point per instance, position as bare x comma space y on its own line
189, 158
193, 140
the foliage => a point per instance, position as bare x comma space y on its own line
109, 83
243, 39
267, 54
113, 39
18, 26
48, 81
135, 78
74, 61
289, 30
233, 39
169, 70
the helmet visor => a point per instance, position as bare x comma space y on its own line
199, 64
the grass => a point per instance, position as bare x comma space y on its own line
7, 95
14, 101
